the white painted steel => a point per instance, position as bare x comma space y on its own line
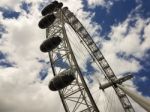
142, 101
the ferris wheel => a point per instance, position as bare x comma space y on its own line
69, 79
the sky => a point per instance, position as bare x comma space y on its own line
121, 29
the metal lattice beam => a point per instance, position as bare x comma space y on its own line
76, 97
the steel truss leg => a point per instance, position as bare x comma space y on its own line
75, 97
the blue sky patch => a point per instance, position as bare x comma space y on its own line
88, 77
117, 14
60, 63
2, 30
9, 13
90, 71
142, 77
124, 56
4, 62
43, 73
145, 9
26, 6
44, 70
42, 61
89, 67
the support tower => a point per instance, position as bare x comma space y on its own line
75, 95
68, 78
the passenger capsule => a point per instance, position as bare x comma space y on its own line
54, 6
65, 9
47, 21
59, 5
50, 44
62, 80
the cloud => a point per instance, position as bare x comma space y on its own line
93, 3
20, 85
130, 41
127, 45
107, 4
143, 79
17, 94
14, 4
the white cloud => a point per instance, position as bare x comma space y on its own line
13, 4
93, 3
145, 44
128, 40
143, 79
131, 41
101, 3
21, 89
19, 96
